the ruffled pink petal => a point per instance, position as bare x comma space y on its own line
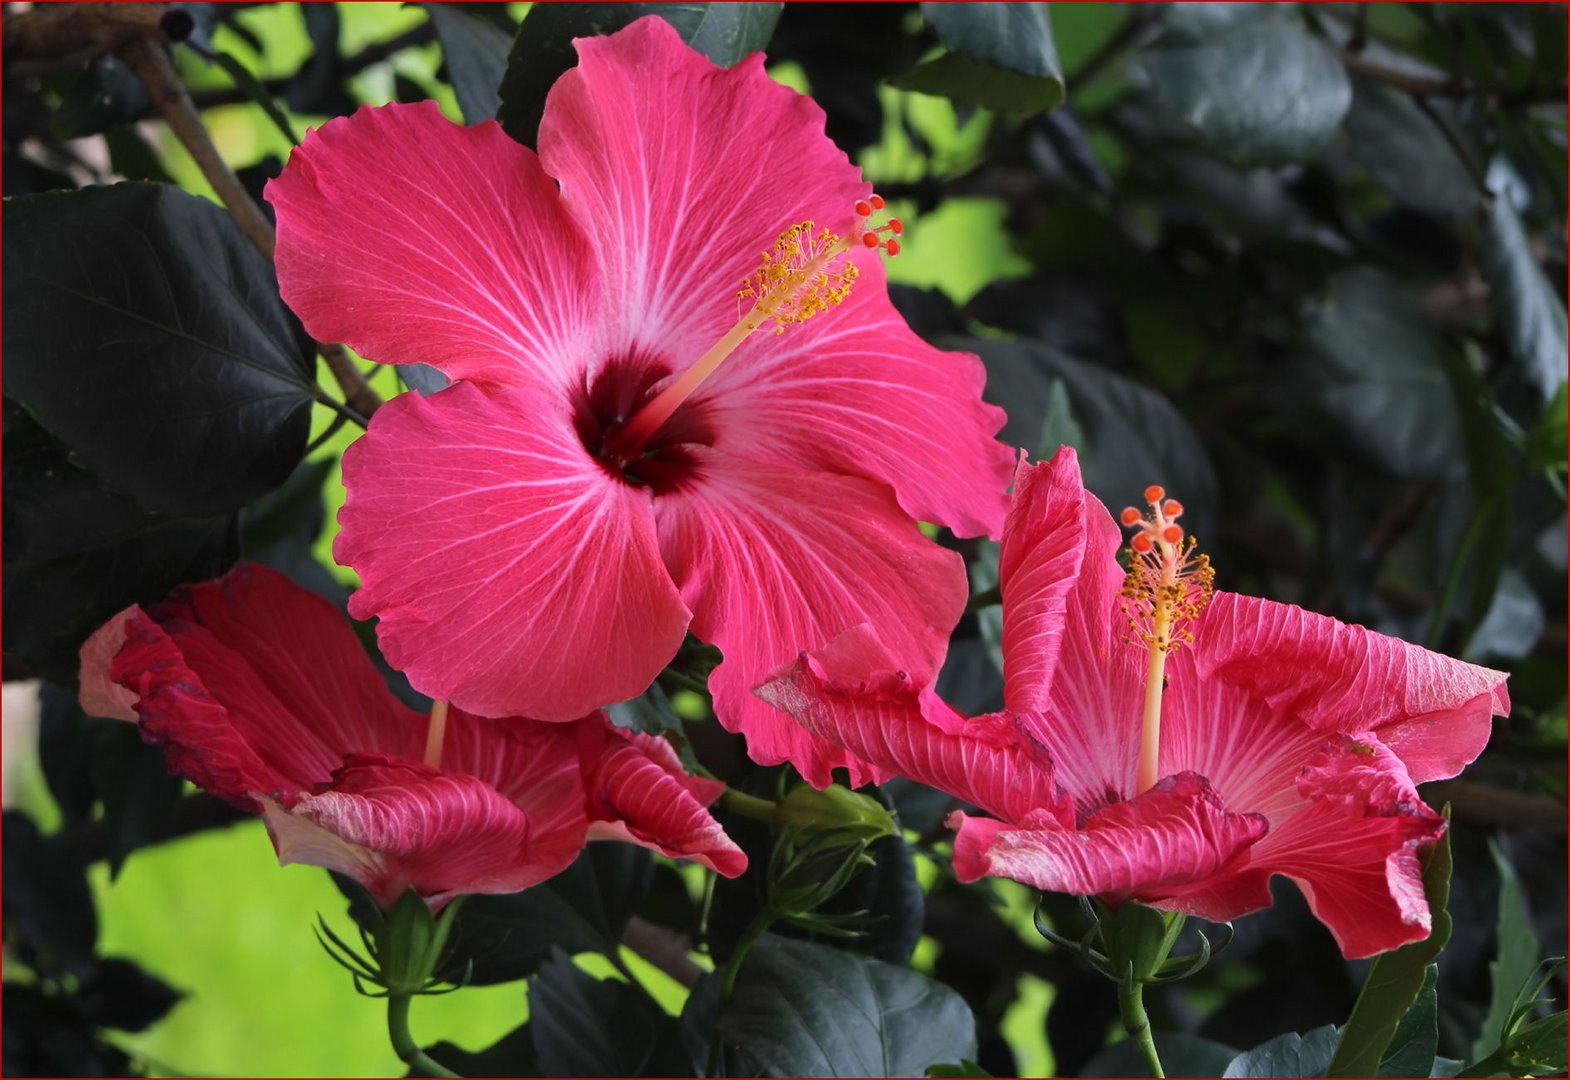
96, 692
1435, 712
851, 694
399, 824
534, 763
1072, 673
511, 574
414, 239
1352, 849
251, 683
776, 561
1175, 833
1038, 566
854, 390
639, 792
681, 172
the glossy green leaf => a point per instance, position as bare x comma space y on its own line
1379, 372
1396, 979
649, 712
582, 909
1132, 436
1515, 955
137, 790
76, 553
1529, 308
583, 1026
1000, 56
1404, 150
725, 33
475, 50
1288, 1055
48, 909
801, 1009
511, 1055
1259, 91
1416, 1039
139, 308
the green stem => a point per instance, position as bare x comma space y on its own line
754, 931
403, 1042
750, 806
1131, 1007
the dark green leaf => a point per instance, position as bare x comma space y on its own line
50, 920
1549, 440
1405, 151
1181, 1055
1000, 56
725, 33
1412, 1047
1512, 624
801, 1009
132, 156
511, 1055
1260, 91
1021, 377
139, 308
1540, 1048
1515, 958
1379, 372
1288, 1055
137, 791
76, 553
649, 712
67, 741
963, 1069
423, 378
476, 54
121, 995
583, 1026
318, 86
581, 909
46, 1035
1529, 308
1396, 979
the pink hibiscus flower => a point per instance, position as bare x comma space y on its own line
622, 458
1284, 742
259, 692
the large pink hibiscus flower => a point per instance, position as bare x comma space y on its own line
259, 691
623, 459
1284, 743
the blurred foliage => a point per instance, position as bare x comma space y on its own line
1304, 265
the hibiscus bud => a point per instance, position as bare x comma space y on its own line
409, 943
836, 808
822, 846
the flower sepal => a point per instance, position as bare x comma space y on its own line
405, 949
1133, 941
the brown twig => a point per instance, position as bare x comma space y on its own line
663, 947
1411, 82
57, 35
146, 59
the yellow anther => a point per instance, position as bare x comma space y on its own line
802, 276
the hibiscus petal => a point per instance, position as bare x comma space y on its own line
412, 238
1352, 850
681, 172
1435, 712
219, 676
1072, 673
395, 824
639, 792
1175, 833
852, 694
512, 575
534, 763
855, 390
775, 561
